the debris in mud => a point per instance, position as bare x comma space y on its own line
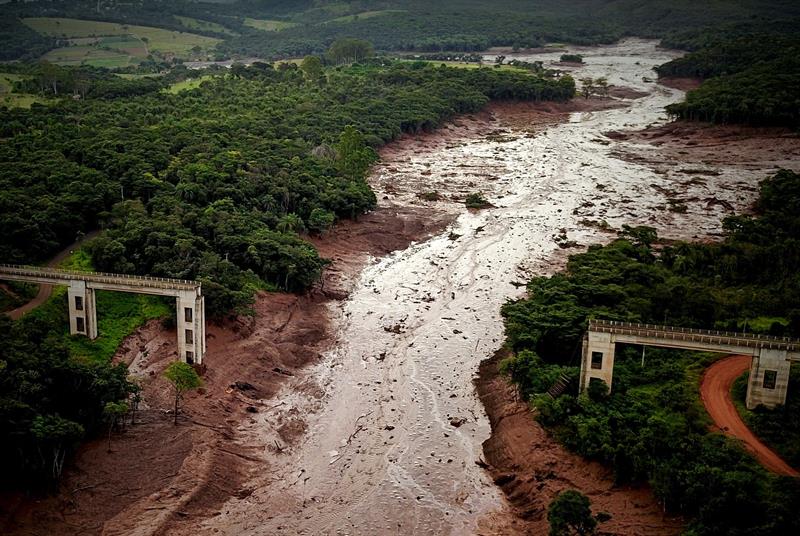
397, 329
504, 478
285, 372
455, 422
453, 236
243, 386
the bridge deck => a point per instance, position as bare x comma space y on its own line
695, 336
55, 276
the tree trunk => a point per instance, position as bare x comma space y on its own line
176, 407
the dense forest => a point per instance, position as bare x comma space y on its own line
752, 74
652, 427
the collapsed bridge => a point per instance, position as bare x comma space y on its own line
769, 366
190, 302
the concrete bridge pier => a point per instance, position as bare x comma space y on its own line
82, 309
191, 325
769, 378
598, 359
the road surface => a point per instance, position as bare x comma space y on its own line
715, 390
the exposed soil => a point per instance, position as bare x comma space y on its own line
532, 468
683, 142
715, 390
683, 84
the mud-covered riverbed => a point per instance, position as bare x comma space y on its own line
392, 445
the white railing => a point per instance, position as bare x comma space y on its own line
704, 336
97, 277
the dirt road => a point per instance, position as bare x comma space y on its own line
46, 290
715, 391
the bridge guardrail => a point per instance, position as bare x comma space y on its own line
99, 277
695, 335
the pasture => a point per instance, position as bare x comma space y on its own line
150, 40
208, 26
365, 15
268, 25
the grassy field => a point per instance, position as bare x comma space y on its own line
7, 82
472, 65
365, 15
149, 39
90, 55
15, 100
268, 25
190, 83
198, 24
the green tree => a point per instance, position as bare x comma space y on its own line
320, 220
312, 68
183, 378
347, 50
570, 513
291, 223
354, 156
113, 412
55, 437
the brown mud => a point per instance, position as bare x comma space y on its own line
532, 467
682, 84
684, 142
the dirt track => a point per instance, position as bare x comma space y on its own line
46, 290
715, 390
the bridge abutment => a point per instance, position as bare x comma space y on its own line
191, 325
598, 359
769, 378
81, 288
82, 309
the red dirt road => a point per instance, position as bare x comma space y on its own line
715, 390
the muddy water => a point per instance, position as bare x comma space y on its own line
391, 447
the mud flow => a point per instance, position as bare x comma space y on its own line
391, 446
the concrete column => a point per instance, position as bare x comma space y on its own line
769, 379
598, 359
91, 312
82, 310
191, 327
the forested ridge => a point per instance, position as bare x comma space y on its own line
751, 73
310, 27
652, 427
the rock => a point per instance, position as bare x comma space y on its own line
243, 386
505, 478
455, 422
